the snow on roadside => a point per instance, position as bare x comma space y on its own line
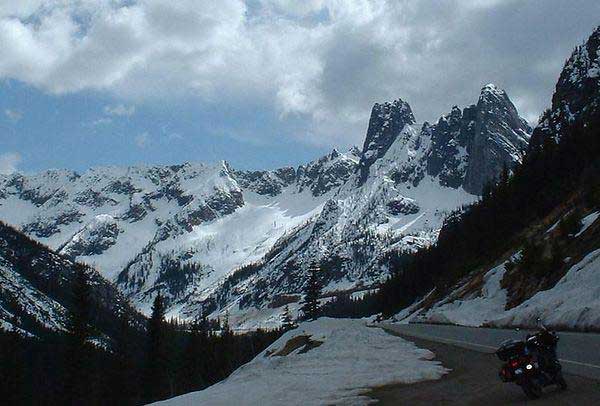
353, 357
476, 309
573, 303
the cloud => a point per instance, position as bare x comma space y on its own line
120, 110
141, 140
9, 162
322, 61
13, 115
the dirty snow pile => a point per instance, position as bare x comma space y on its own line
351, 358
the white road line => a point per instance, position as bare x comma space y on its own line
583, 364
487, 347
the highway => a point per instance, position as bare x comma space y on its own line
579, 353
473, 378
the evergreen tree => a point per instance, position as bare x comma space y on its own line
12, 365
312, 291
125, 376
287, 322
194, 355
156, 380
227, 347
78, 356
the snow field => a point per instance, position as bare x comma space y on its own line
352, 358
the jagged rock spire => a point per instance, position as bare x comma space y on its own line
386, 122
500, 138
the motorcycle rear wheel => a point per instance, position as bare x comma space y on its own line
532, 390
560, 381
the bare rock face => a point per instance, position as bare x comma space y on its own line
500, 139
450, 138
266, 183
328, 172
386, 122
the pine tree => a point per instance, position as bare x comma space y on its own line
12, 365
287, 322
125, 376
78, 351
228, 349
312, 292
156, 363
194, 355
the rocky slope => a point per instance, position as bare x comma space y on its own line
212, 237
576, 97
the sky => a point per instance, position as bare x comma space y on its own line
259, 83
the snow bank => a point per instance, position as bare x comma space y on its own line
353, 357
479, 308
573, 303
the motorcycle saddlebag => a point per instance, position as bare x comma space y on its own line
510, 349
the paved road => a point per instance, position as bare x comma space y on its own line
473, 380
579, 353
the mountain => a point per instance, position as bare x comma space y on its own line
530, 249
36, 290
576, 96
215, 238
467, 148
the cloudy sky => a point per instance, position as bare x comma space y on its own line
260, 83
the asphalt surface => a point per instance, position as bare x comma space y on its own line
579, 353
474, 380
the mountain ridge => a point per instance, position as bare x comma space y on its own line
184, 229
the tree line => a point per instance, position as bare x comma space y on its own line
135, 366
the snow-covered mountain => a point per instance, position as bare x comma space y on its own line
212, 237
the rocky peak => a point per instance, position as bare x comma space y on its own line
491, 92
581, 69
577, 92
450, 137
464, 148
494, 104
386, 122
500, 138
327, 172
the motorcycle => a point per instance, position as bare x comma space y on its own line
532, 363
